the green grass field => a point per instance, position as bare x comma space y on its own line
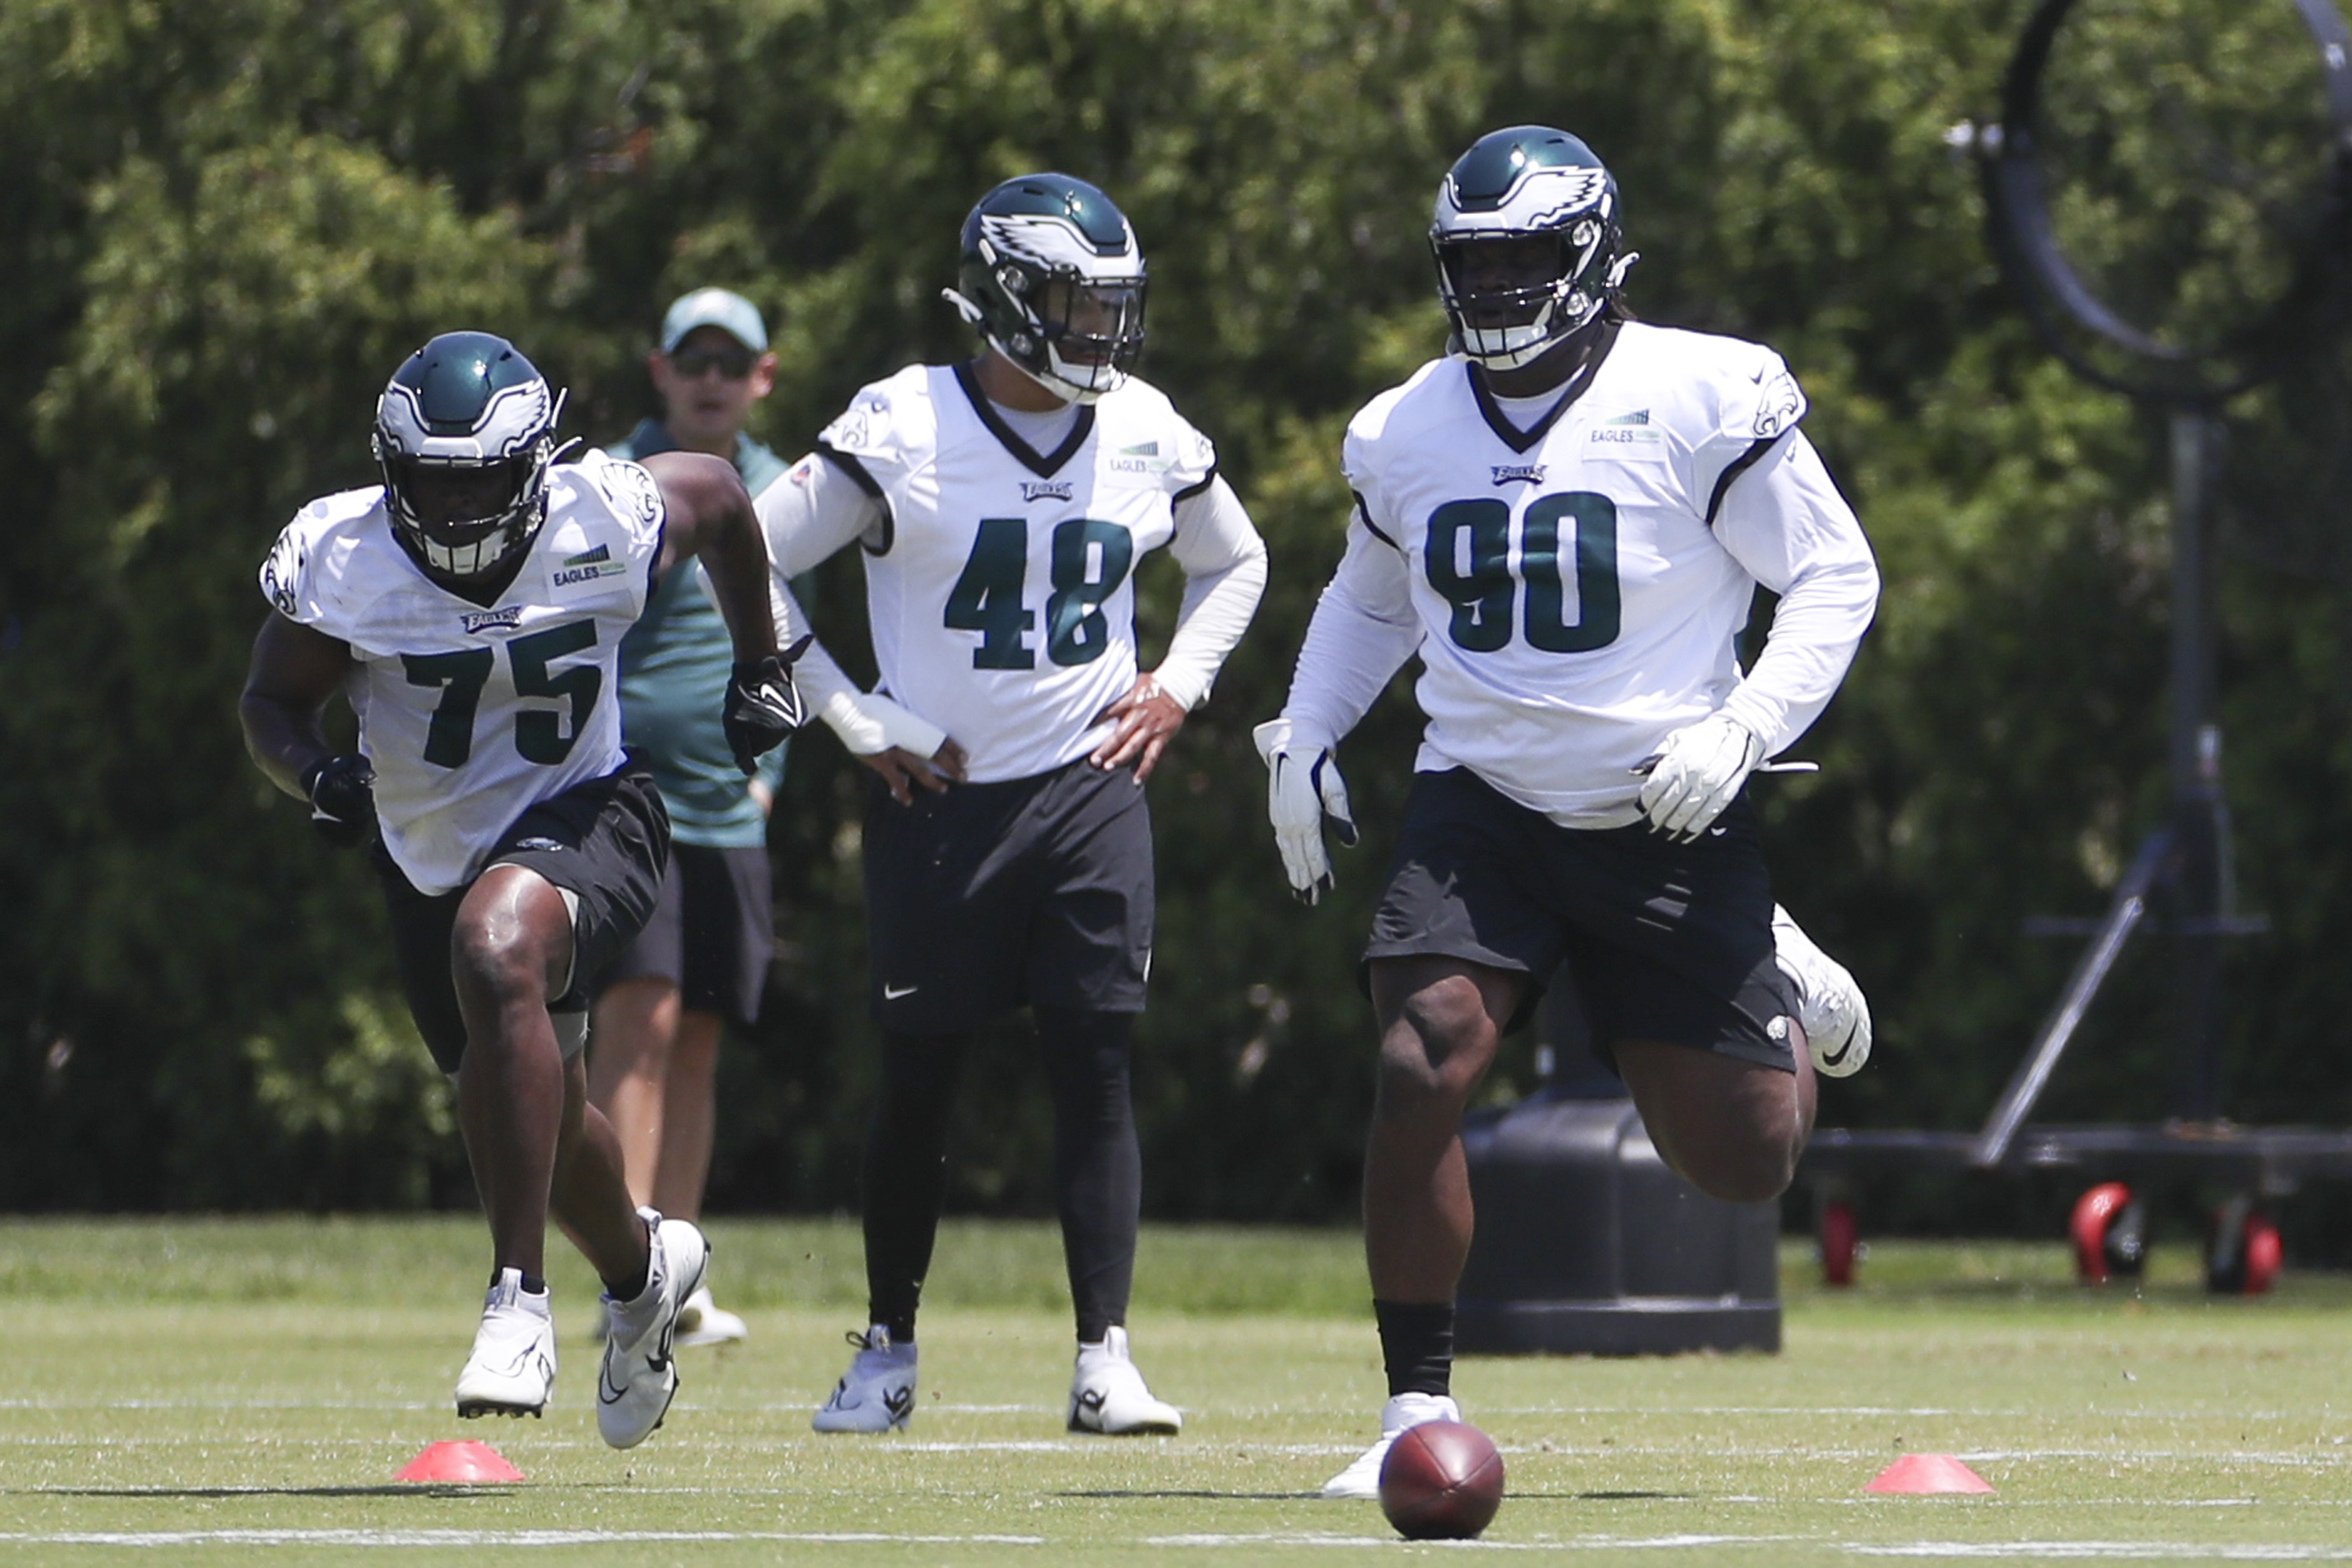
208, 1392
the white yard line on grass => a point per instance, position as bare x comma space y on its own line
493, 1537
1293, 1538
219, 1405
2104, 1552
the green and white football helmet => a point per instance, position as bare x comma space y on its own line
1527, 182
467, 406
1052, 277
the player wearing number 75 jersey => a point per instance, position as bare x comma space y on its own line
470, 609
1567, 519
1002, 507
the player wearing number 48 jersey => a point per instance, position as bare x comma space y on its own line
1567, 519
1003, 506
471, 608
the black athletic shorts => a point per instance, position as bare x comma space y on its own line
992, 896
604, 842
1666, 940
712, 931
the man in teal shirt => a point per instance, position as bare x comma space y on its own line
703, 958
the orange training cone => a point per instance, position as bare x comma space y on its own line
1917, 1473
458, 1461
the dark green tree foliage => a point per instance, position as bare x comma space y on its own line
225, 222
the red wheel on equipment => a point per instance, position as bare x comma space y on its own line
2107, 1230
1837, 1234
2264, 1253
2245, 1252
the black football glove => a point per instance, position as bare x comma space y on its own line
342, 794
763, 706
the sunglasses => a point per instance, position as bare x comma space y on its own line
734, 363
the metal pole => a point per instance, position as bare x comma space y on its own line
2192, 650
2199, 881
2025, 1084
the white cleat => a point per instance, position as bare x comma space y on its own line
704, 1323
1107, 1394
877, 1393
514, 1363
639, 1376
1829, 1007
1361, 1479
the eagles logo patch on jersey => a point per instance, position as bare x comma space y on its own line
282, 570
859, 423
1780, 406
633, 492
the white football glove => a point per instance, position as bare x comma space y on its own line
1301, 790
1695, 774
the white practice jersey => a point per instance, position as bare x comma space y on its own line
1575, 589
472, 713
1001, 595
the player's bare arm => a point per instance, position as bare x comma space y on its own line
295, 672
708, 514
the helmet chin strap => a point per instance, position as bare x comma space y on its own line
964, 308
1067, 391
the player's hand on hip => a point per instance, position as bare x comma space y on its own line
342, 794
1303, 788
1697, 773
763, 706
903, 772
1148, 718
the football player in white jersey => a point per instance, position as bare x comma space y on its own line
471, 611
1566, 518
1003, 506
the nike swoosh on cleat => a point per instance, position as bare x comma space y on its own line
894, 993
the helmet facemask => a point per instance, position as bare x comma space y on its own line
1524, 237
464, 436
1506, 315
466, 529
1053, 279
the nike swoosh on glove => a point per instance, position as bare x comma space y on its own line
1301, 790
763, 706
342, 795
1697, 773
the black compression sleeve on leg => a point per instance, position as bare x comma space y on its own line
1097, 1166
905, 1172
1416, 1342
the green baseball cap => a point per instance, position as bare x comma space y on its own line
729, 312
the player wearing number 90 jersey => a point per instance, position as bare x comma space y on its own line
1567, 519
1577, 586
